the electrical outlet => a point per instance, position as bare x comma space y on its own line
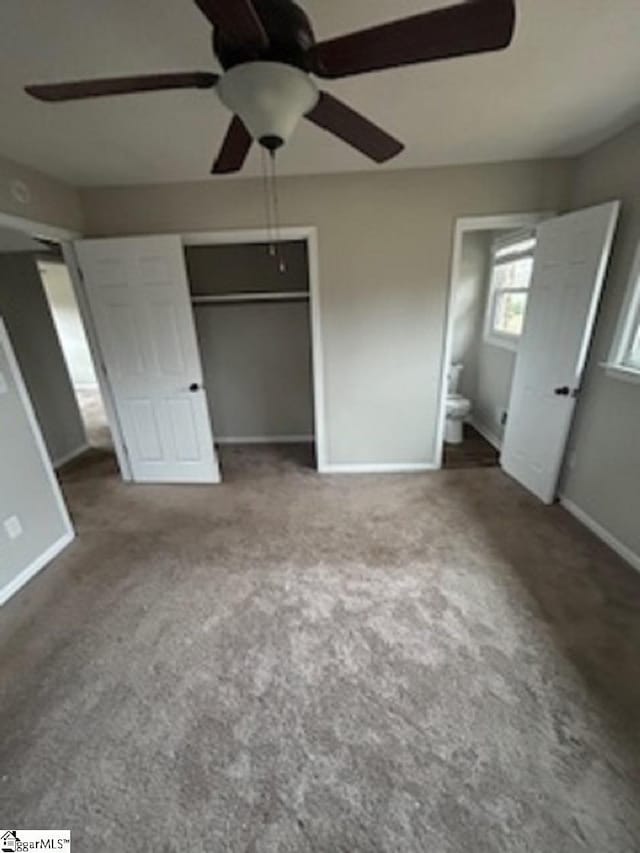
13, 527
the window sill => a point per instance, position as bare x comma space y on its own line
507, 343
618, 371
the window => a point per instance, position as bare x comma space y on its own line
624, 359
510, 279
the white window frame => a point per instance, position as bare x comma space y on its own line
491, 336
618, 366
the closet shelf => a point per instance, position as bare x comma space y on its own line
265, 296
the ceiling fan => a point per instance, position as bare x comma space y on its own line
269, 53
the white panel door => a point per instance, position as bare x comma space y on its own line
569, 267
139, 298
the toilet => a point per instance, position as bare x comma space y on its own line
458, 407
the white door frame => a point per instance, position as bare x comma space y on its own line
463, 226
309, 234
65, 237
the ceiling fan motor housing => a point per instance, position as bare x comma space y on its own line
270, 98
289, 32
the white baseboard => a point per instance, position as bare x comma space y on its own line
265, 439
62, 460
485, 432
372, 468
39, 563
602, 533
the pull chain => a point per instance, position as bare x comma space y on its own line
276, 213
267, 202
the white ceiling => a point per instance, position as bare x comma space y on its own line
569, 79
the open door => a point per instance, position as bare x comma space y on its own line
139, 299
571, 257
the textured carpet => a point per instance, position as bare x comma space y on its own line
291, 662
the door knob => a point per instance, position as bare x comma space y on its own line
563, 391
194, 387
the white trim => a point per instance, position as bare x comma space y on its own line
602, 533
72, 454
245, 235
495, 339
265, 439
461, 227
378, 468
493, 439
254, 296
86, 386
309, 233
619, 371
38, 564
37, 229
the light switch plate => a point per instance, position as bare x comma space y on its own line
3, 384
13, 527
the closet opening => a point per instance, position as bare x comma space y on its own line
252, 305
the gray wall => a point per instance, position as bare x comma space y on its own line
604, 480
245, 268
257, 369
494, 377
468, 298
385, 243
256, 357
26, 490
25, 310
488, 373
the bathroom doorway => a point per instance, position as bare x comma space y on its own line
491, 273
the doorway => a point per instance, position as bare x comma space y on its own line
491, 275
48, 339
69, 325
544, 289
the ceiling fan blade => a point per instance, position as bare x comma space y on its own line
122, 86
237, 19
474, 26
356, 130
235, 148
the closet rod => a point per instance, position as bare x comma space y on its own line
266, 296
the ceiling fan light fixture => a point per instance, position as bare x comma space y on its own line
270, 98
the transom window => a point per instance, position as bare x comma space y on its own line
510, 280
624, 358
